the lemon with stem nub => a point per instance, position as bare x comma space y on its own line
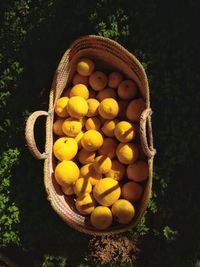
65, 148
61, 107
109, 108
92, 140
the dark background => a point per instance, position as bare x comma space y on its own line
164, 37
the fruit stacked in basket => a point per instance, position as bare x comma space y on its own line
101, 165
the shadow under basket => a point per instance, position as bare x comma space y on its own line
104, 52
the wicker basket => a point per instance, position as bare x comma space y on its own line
105, 52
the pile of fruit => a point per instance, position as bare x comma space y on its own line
100, 161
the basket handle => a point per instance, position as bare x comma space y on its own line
29, 134
145, 121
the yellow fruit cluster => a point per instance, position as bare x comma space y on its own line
100, 162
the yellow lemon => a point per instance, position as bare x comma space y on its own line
78, 78
61, 107
123, 211
66, 173
138, 171
98, 80
82, 186
71, 127
68, 189
78, 139
92, 140
79, 90
65, 148
57, 127
86, 157
101, 218
88, 171
132, 191
85, 204
127, 89
102, 164
107, 191
106, 93
134, 109
85, 66
77, 107
127, 153
109, 127
93, 124
117, 171
124, 131
109, 109
67, 92
114, 79
108, 148
93, 106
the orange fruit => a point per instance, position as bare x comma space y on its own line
138, 171
132, 191
114, 79
135, 109
78, 78
127, 90
98, 80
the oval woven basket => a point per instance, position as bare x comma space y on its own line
104, 52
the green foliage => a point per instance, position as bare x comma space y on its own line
54, 261
9, 212
169, 234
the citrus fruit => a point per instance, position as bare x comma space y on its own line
66, 172
124, 131
88, 171
127, 89
108, 108
78, 78
109, 127
85, 66
101, 217
92, 140
123, 211
71, 127
127, 153
78, 139
85, 204
107, 191
61, 107
93, 124
68, 189
117, 171
93, 106
65, 148
114, 79
80, 90
132, 191
102, 164
98, 80
92, 93
77, 107
108, 148
57, 127
134, 109
106, 93
138, 171
82, 186
86, 157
